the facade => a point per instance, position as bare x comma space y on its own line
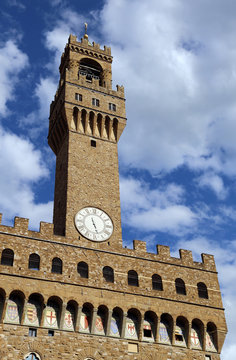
71, 291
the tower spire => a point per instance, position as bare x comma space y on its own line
85, 30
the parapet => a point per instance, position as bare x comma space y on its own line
46, 232
85, 43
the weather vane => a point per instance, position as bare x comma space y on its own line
86, 27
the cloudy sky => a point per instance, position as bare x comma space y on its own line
177, 61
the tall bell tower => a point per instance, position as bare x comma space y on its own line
87, 118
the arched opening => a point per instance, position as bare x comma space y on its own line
15, 305
91, 69
197, 331
83, 120
7, 257
34, 310
74, 122
114, 129
133, 278
181, 331
34, 262
149, 326
86, 318
180, 287
82, 269
202, 290
211, 337
91, 123
116, 322
98, 130
53, 312
132, 324
157, 282
166, 329
107, 127
70, 315
56, 266
32, 356
2, 302
108, 274
101, 320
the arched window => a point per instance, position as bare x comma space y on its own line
132, 325
34, 310
32, 356
101, 320
116, 322
211, 337
57, 266
7, 257
82, 269
133, 278
202, 290
181, 331
180, 287
85, 323
157, 282
166, 328
14, 309
34, 261
149, 326
108, 274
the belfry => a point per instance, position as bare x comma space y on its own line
71, 291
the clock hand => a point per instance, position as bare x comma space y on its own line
94, 225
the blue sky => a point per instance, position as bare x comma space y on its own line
177, 61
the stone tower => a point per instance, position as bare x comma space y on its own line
71, 291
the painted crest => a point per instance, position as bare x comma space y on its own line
164, 337
99, 324
68, 319
84, 322
12, 310
31, 313
51, 317
194, 337
131, 329
114, 326
209, 342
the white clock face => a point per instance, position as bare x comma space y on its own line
94, 224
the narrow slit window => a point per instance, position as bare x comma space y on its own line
93, 143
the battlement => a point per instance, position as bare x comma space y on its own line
86, 44
46, 232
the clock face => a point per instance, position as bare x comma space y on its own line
94, 224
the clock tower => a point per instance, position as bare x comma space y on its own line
87, 118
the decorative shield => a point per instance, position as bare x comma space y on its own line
209, 342
51, 317
99, 324
84, 322
68, 319
12, 311
164, 337
31, 313
194, 337
131, 329
114, 326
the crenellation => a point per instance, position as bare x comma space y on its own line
163, 252
186, 257
140, 246
209, 262
21, 225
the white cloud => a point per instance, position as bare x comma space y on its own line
22, 166
159, 209
213, 182
13, 61
225, 257
180, 80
